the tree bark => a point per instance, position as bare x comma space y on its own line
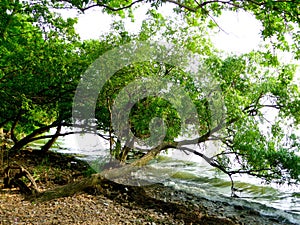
95, 179
111, 174
48, 145
69, 189
15, 179
24, 141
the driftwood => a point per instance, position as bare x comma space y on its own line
12, 178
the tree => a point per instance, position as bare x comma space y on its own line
42, 62
39, 67
249, 84
248, 88
279, 19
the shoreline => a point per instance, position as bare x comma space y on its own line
113, 203
237, 213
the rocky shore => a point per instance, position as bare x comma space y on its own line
112, 203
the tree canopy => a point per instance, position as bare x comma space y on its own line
279, 18
42, 60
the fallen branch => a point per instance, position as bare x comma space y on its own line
12, 178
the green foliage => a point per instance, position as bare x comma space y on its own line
279, 19
147, 109
42, 60
39, 66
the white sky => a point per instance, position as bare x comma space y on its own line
242, 30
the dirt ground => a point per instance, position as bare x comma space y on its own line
111, 203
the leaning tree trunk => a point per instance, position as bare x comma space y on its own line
27, 139
111, 174
96, 179
49, 144
69, 189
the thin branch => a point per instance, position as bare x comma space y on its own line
201, 5
203, 138
214, 163
65, 134
206, 136
257, 3
52, 135
236, 4
88, 7
100, 4
209, 160
220, 28
182, 5
271, 106
120, 8
249, 172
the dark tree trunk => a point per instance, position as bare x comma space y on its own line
24, 141
48, 145
126, 149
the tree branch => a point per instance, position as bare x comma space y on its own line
64, 134
106, 6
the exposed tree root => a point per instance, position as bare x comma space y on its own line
13, 177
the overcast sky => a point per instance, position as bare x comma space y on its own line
242, 30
